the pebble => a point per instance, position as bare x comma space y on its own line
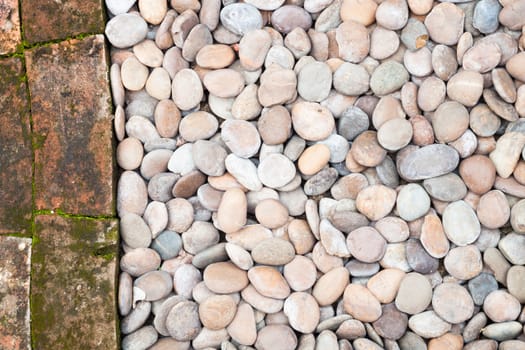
359, 11
428, 325
511, 246
447, 13
503, 331
353, 41
167, 244
388, 77
231, 213
312, 121
330, 287
452, 303
186, 89
276, 336
395, 134
414, 294
217, 311
376, 201
300, 273
431, 94
142, 338
155, 284
385, 284
366, 244
464, 263
392, 324
277, 86
273, 251
289, 17
500, 306
433, 237
302, 311
481, 286
418, 259
125, 30
314, 82
276, 170
361, 304
485, 17
268, 282
465, 87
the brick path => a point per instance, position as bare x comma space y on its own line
58, 231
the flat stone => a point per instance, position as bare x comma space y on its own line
51, 20
276, 337
452, 303
242, 329
392, 324
82, 151
385, 284
241, 18
511, 246
501, 306
269, 282
82, 253
302, 311
388, 77
273, 251
414, 295
428, 325
361, 304
441, 14
464, 263
15, 266
329, 287
11, 35
15, 142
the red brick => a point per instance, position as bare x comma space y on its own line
73, 289
15, 261
10, 36
71, 109
15, 149
46, 20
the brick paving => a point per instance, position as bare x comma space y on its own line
57, 214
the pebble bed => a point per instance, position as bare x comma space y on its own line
320, 174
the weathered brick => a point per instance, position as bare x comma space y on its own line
10, 36
15, 149
46, 20
71, 109
73, 289
15, 261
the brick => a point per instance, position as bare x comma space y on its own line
73, 289
15, 149
46, 20
15, 262
10, 36
71, 109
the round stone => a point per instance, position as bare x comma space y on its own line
493, 209
155, 285
465, 87
418, 259
392, 324
412, 202
478, 172
313, 159
271, 213
275, 125
231, 214
302, 311
276, 170
215, 56
445, 23
186, 89
198, 125
450, 121
314, 81
385, 284
353, 41
383, 43
224, 278
460, 223
361, 304
501, 306
224, 83
414, 294
481, 286
352, 122
276, 336
392, 14
376, 201
366, 149
388, 77
139, 261
311, 121
273, 251
464, 263
330, 286
168, 244
269, 282
134, 231
300, 273
366, 244
431, 94
433, 237
394, 134
241, 18
129, 153
351, 79
126, 30
217, 311
428, 325
183, 322
452, 303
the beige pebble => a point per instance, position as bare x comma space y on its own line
313, 159
450, 120
215, 56
501, 306
431, 94
376, 201
269, 282
353, 41
224, 83
414, 294
464, 262
302, 311
224, 278
300, 273
361, 304
330, 286
445, 23
312, 121
366, 149
242, 329
232, 210
359, 11
385, 284
216, 312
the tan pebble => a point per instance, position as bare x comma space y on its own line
215, 56
331, 286
298, 42
422, 131
300, 273
361, 11
239, 256
301, 236
431, 94
198, 125
134, 74
253, 48
241, 137
312, 121
353, 41
465, 87
277, 86
313, 159
493, 209
274, 251
414, 294
482, 57
383, 43
351, 163
385, 284
271, 213
478, 173
216, 312
464, 263
276, 336
485, 145
418, 62
409, 99
520, 101
393, 229
186, 89
232, 210
504, 85
275, 125
512, 15
433, 237
249, 236
148, 53
519, 172
224, 182
444, 62
167, 118
395, 134
366, 150
445, 23
501, 306
349, 186
420, 7
224, 278
366, 244
224, 83
242, 329
376, 201
323, 261
452, 302
392, 14
507, 152
129, 153
269, 282
246, 105
450, 121
361, 304
483, 122
302, 311
448, 341
465, 42
386, 109
260, 302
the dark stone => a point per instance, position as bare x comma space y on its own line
46, 20
73, 283
70, 104
15, 263
481, 286
392, 324
418, 258
15, 149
